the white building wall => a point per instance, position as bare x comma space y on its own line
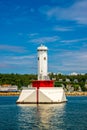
27, 95
54, 94
42, 62
45, 95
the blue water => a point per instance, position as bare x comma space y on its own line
69, 116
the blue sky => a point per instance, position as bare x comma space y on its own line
61, 25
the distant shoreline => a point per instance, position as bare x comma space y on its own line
67, 93
9, 93
76, 93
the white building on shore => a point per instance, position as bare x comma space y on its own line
8, 87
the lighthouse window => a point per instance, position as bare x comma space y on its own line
44, 58
38, 58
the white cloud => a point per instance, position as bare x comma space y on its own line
76, 12
69, 61
44, 39
74, 40
3, 65
12, 48
24, 57
26, 61
32, 34
62, 29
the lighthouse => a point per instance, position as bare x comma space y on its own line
42, 62
42, 90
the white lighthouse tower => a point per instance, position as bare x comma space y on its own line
42, 63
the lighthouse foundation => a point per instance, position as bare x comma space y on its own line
42, 96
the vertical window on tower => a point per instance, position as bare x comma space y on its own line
38, 58
44, 58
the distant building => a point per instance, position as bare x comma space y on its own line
86, 85
24, 87
13, 88
30, 85
75, 80
69, 88
79, 89
60, 80
54, 79
67, 80
86, 81
8, 87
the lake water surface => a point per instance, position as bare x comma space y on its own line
68, 116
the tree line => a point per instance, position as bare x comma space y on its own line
17, 79
76, 82
60, 79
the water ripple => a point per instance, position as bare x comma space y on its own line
69, 116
